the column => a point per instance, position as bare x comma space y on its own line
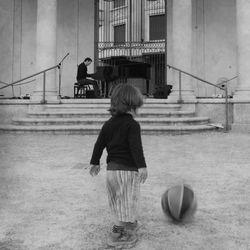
243, 40
241, 99
46, 49
182, 49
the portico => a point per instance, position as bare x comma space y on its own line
206, 38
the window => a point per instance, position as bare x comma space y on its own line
119, 3
157, 26
119, 34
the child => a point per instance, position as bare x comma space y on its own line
126, 167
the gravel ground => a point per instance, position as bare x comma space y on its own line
49, 201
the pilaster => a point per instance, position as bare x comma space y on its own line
181, 49
46, 49
241, 97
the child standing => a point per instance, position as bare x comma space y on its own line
126, 167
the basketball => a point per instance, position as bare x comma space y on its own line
179, 202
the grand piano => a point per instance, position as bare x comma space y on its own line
120, 69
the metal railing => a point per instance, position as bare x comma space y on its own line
20, 84
222, 86
43, 101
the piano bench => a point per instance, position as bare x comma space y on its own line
80, 91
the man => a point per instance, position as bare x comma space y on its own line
82, 74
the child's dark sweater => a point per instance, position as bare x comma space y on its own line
121, 135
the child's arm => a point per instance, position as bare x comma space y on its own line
136, 149
98, 149
135, 145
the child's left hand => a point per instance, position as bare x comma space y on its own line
143, 174
94, 169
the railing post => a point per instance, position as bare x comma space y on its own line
226, 109
130, 29
43, 101
180, 97
221, 86
60, 80
13, 93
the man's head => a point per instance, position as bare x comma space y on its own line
87, 61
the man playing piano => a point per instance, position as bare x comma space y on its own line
82, 74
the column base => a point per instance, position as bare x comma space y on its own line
242, 96
241, 118
50, 96
241, 127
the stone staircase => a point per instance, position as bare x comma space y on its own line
86, 116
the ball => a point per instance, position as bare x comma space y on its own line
179, 202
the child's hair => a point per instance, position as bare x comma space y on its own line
124, 98
87, 59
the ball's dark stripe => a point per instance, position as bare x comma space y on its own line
188, 197
165, 205
164, 202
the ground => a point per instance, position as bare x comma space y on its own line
48, 201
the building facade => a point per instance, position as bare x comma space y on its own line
135, 30
207, 38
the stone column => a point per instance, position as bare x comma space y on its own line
241, 97
46, 49
182, 48
243, 40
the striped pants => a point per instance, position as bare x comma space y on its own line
123, 189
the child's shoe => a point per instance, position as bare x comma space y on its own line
119, 237
116, 232
133, 227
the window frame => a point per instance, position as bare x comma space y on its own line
119, 4
114, 30
152, 28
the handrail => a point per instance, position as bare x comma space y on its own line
43, 101
30, 76
200, 79
220, 86
23, 83
3, 82
20, 84
7, 84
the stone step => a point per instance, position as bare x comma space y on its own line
94, 129
100, 120
105, 113
107, 105
107, 100
86, 116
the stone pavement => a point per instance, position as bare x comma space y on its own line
49, 201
